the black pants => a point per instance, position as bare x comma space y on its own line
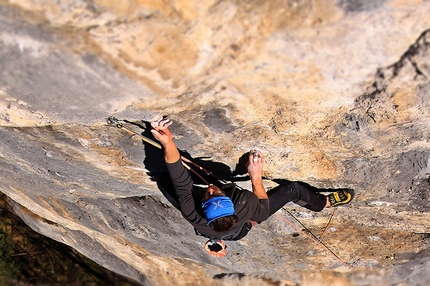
300, 193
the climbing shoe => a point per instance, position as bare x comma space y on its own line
340, 197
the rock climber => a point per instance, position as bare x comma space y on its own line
228, 212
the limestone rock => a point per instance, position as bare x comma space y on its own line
335, 94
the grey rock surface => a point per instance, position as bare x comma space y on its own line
335, 95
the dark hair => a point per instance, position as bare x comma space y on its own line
223, 224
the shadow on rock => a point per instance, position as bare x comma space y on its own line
154, 162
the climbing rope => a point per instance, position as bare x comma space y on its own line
216, 247
311, 236
328, 223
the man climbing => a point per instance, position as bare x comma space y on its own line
228, 213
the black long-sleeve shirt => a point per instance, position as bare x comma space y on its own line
246, 205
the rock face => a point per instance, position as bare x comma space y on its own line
335, 94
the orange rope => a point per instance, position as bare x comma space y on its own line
328, 224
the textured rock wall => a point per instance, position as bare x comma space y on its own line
335, 93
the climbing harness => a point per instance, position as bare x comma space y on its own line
216, 247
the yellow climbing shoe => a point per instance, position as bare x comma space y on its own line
340, 197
